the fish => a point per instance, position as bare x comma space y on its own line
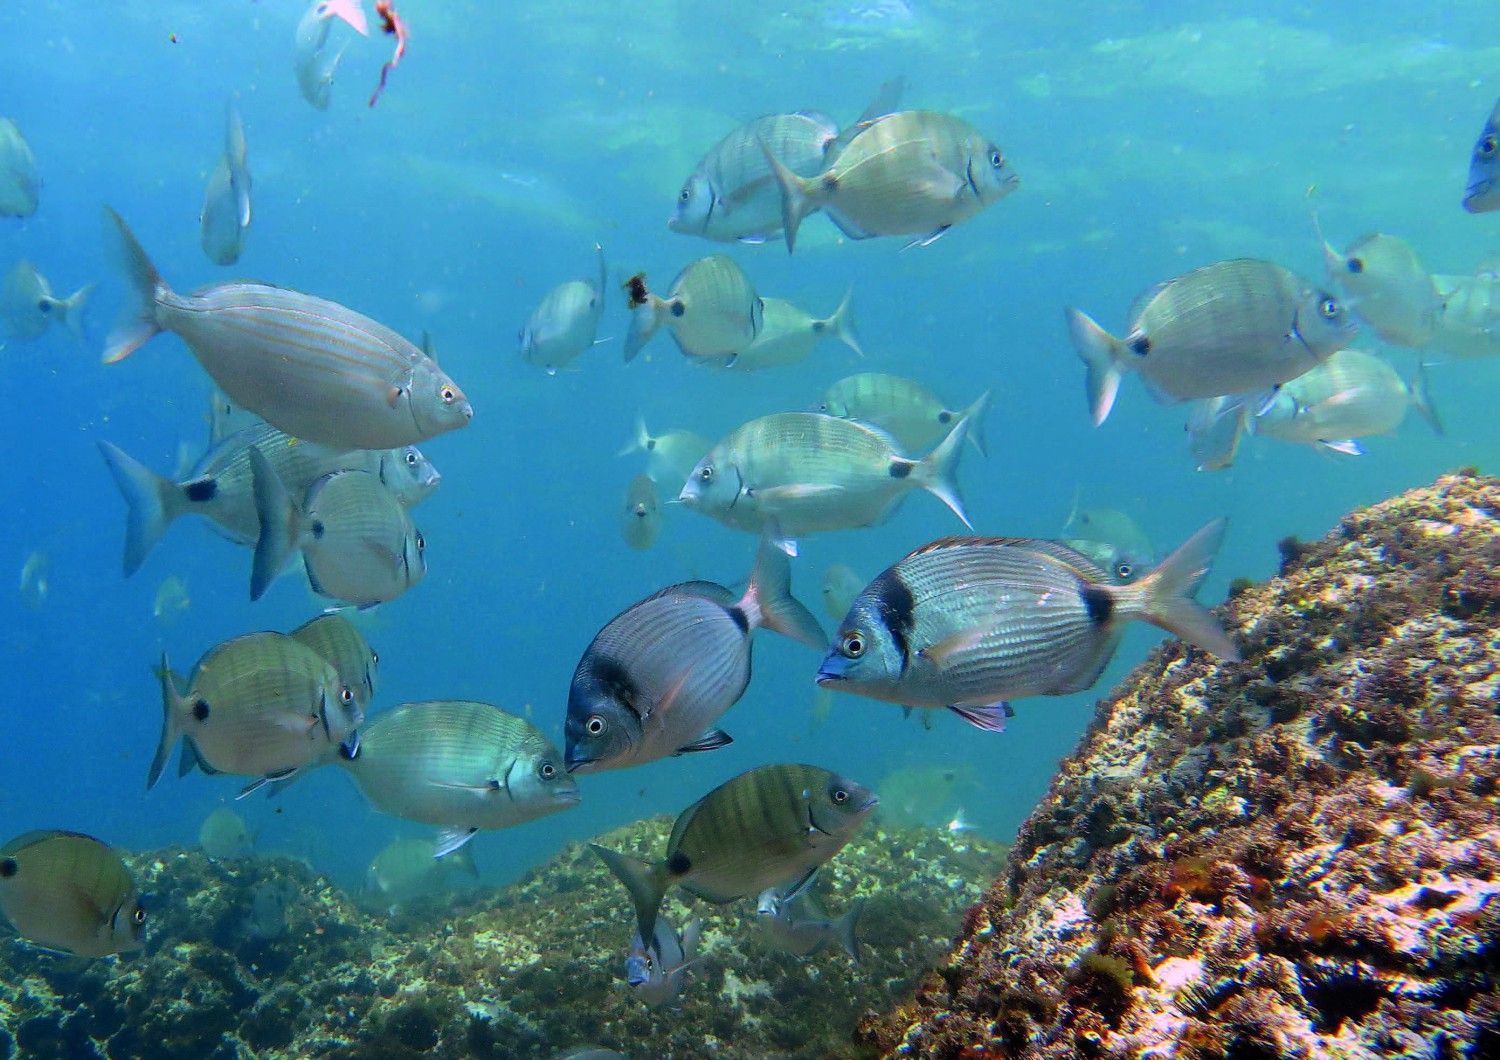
226, 202
660, 674
29, 307
640, 519
358, 542
1232, 327
313, 368
460, 765
1481, 194
800, 926
924, 796
1468, 324
36, 580
914, 172
1215, 429
968, 623
20, 183
1387, 287
771, 824
171, 599
840, 586
225, 417
566, 323
712, 311
220, 485
806, 472
314, 61
1112, 540
671, 455
1351, 395
657, 972
340, 644
405, 871
351, 12
224, 836
789, 334
69, 892
904, 409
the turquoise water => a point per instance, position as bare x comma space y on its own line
507, 143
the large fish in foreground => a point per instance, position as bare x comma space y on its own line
968, 623
313, 368
765, 827
1483, 191
69, 892
1234, 327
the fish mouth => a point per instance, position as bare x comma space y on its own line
575, 760
831, 671
871, 800
1477, 190
568, 796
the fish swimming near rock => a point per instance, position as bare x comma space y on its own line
711, 310
799, 924
1387, 287
461, 765
671, 455
313, 368
29, 308
340, 643
640, 518
657, 972
659, 675
1233, 327
1351, 395
404, 871
789, 334
904, 408
1112, 539
764, 827
20, 184
1482, 193
71, 893
566, 323
226, 202
968, 623
224, 836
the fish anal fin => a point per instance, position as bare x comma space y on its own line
987, 716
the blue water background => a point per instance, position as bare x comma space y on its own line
507, 143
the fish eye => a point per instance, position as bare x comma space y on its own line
1123, 570
1329, 307
139, 916
853, 644
1488, 147
996, 158
421, 542
1355, 265
706, 473
840, 796
449, 395
374, 657
548, 771
345, 696
685, 195
411, 459
595, 725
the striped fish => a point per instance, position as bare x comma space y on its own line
319, 371
904, 408
712, 311
261, 705
460, 765
763, 828
69, 892
340, 643
970, 622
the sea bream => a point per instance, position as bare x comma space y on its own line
789, 334
226, 201
29, 308
640, 518
656, 972
1351, 395
671, 455
566, 323
1387, 287
968, 623
1468, 324
20, 184
912, 414
313, 368
1482, 194
71, 893
340, 643
712, 311
1233, 327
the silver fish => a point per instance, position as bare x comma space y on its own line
1468, 324
71, 893
224, 836
566, 323
1351, 395
1112, 539
840, 586
656, 972
1229, 328
1215, 429
658, 676
798, 924
29, 307
313, 368
789, 334
226, 201
20, 185
712, 311
460, 765
225, 417
967, 623
1386, 287
171, 599
340, 643
904, 408
405, 871
314, 59
1482, 193
640, 518
671, 455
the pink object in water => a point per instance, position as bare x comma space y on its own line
351, 11
393, 24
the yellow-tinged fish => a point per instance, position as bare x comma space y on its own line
226, 201
20, 185
29, 307
640, 519
1387, 287
340, 643
1351, 395
405, 871
69, 892
789, 334
313, 368
904, 408
712, 311
671, 455
915, 172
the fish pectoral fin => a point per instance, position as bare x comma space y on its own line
393, 395
1347, 446
800, 885
269, 778
794, 491
481, 789
964, 640
987, 716
450, 839
712, 740
929, 239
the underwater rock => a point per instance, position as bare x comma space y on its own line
1297, 856
261, 956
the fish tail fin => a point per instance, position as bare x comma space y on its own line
280, 524
172, 706
151, 503
843, 929
1102, 353
1421, 399
72, 309
1167, 593
692, 934
138, 323
797, 199
841, 323
645, 881
768, 599
645, 322
975, 415
642, 438
937, 472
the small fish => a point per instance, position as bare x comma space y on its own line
640, 518
405, 871
658, 676
959, 824
903, 408
36, 580
924, 796
671, 455
1215, 428
29, 307
20, 184
914, 173
1351, 395
657, 972
798, 924
788, 335
1468, 325
1112, 539
314, 60
711, 309
266, 917
805, 472
1480, 196
840, 586
764, 827
967, 623
1387, 287
566, 323
226, 418
226, 202
69, 892
1233, 327
313, 368
358, 543
224, 836
261, 705
340, 644
171, 600
459, 765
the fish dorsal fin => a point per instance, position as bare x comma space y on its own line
1144, 299
1062, 553
41, 835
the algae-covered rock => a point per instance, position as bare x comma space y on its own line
1295, 856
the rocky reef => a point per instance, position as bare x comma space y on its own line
1292, 857
263, 957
